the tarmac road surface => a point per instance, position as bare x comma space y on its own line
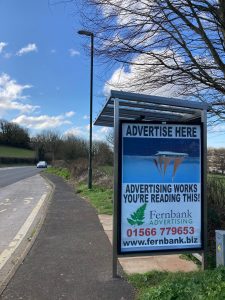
13, 174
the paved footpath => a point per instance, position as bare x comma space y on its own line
71, 257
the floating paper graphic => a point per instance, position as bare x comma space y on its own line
163, 158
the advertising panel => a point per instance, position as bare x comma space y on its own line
160, 207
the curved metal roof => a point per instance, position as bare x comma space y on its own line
133, 106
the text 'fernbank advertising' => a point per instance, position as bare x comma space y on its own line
161, 187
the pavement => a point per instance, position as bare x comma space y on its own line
72, 256
143, 264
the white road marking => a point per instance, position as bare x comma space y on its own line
7, 253
2, 203
3, 210
26, 201
6, 202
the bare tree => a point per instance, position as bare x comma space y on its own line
211, 159
74, 148
52, 141
102, 153
110, 138
164, 45
46, 145
219, 159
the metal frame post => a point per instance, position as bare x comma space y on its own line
205, 205
115, 196
91, 35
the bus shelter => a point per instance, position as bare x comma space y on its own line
160, 172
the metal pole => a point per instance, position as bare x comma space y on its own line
115, 196
205, 205
91, 101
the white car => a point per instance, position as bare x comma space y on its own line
42, 164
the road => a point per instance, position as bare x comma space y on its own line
14, 174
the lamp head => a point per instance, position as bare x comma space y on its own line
84, 32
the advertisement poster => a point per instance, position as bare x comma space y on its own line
160, 187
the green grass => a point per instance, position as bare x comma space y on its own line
207, 285
99, 197
216, 176
6, 151
62, 172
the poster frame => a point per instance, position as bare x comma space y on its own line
159, 251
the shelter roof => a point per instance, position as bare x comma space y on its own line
133, 106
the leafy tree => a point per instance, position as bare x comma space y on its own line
171, 46
12, 134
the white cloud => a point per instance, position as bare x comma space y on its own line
2, 46
104, 130
101, 133
27, 49
118, 78
11, 96
69, 114
73, 52
98, 134
76, 131
136, 77
86, 117
41, 122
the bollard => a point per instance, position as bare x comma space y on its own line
220, 248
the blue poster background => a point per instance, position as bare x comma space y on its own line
139, 166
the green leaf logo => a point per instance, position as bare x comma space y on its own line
137, 218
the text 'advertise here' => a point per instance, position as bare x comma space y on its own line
160, 188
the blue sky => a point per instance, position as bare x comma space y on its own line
44, 71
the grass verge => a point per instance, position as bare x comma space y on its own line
99, 197
62, 172
6, 151
207, 285
108, 170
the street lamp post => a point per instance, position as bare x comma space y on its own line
88, 33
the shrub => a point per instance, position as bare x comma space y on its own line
216, 211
